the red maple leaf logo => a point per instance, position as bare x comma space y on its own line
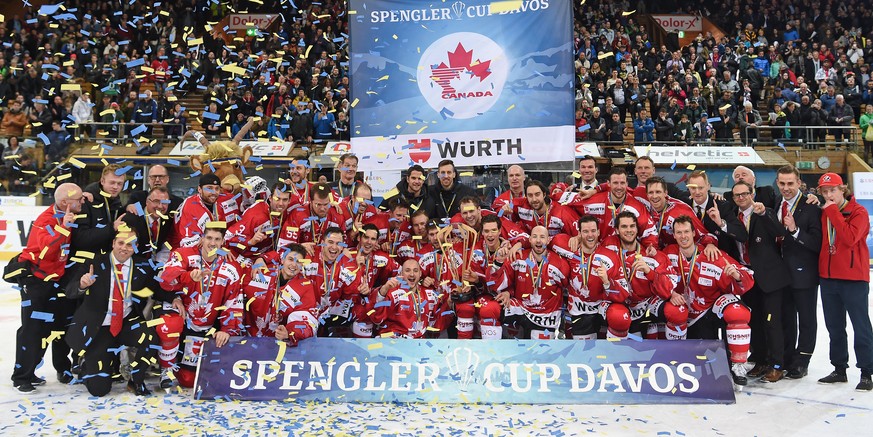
459, 61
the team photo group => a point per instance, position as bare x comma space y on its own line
135, 288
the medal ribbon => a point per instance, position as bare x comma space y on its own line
832, 233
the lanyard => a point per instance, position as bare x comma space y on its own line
277, 233
207, 279
630, 272
832, 232
316, 238
328, 278
540, 269
686, 277
545, 216
586, 268
443, 201
119, 279
153, 239
616, 210
392, 240
417, 303
661, 216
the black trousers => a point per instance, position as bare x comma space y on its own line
768, 343
101, 359
799, 324
42, 312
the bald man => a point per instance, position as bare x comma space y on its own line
42, 312
514, 196
765, 194
157, 176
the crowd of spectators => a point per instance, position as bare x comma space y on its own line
806, 62
128, 65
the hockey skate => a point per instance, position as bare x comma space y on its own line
738, 371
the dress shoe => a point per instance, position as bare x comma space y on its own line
65, 377
138, 389
835, 376
773, 375
25, 388
866, 384
797, 373
758, 371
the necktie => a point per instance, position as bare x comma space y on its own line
699, 211
744, 250
117, 303
784, 210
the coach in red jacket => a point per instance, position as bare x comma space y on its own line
845, 279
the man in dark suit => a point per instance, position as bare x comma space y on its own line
762, 254
111, 315
764, 194
153, 227
102, 215
157, 177
717, 216
800, 250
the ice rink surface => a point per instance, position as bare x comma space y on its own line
787, 408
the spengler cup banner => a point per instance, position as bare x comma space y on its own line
475, 81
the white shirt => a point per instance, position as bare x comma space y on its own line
125, 274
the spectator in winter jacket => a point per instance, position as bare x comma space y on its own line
644, 128
14, 121
664, 126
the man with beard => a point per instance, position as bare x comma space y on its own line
418, 244
472, 214
299, 180
354, 210
259, 229
337, 283
413, 192
542, 211
207, 285
606, 206
281, 302
448, 192
347, 166
649, 281
665, 210
710, 289
530, 289
195, 211
404, 307
308, 222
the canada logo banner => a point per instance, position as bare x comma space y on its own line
476, 81
467, 371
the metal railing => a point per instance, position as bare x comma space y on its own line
808, 137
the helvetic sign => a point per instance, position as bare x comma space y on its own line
259, 148
466, 371
700, 155
676, 23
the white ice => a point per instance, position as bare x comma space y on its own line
787, 408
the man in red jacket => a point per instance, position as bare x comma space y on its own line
47, 251
845, 279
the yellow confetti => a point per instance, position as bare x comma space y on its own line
691, 167
504, 6
281, 355
70, 87
385, 77
355, 102
76, 163
625, 14
510, 108
155, 322
375, 346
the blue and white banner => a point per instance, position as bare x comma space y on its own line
480, 82
862, 187
467, 371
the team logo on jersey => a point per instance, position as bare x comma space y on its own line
462, 75
462, 363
